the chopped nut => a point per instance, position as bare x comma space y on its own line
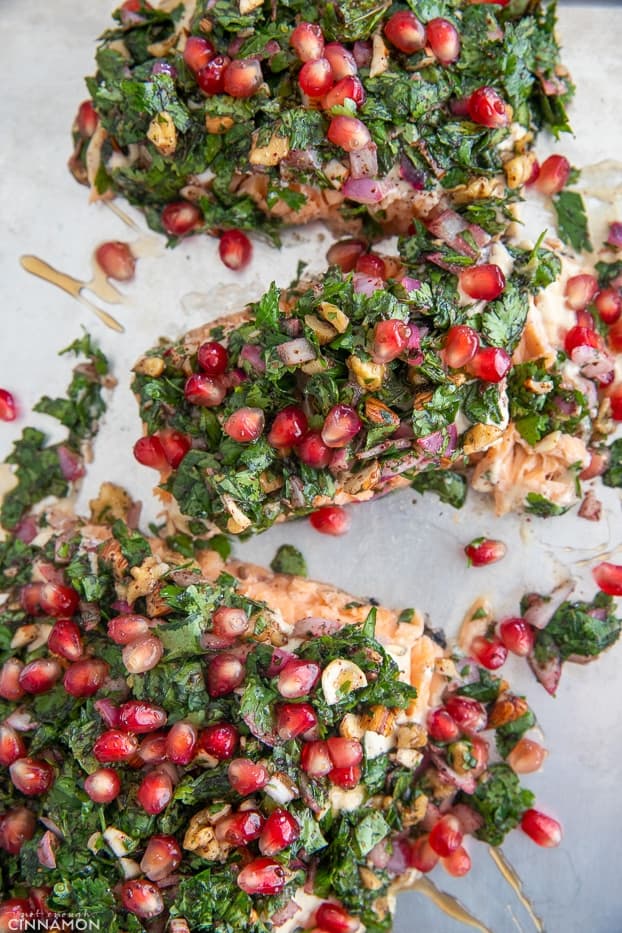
269, 482
334, 316
379, 413
480, 437
538, 387
461, 757
519, 170
201, 838
362, 480
421, 400
145, 578
350, 727
412, 736
409, 758
112, 502
217, 125
152, 366
162, 133
506, 709
112, 554
322, 330
369, 879
445, 667
380, 719
313, 367
238, 522
379, 57
155, 605
369, 375
414, 812
270, 155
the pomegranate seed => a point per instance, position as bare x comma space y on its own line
390, 341
461, 345
40, 676
198, 52
239, 828
150, 452
615, 336
12, 745
84, 678
421, 855
58, 600
280, 831
103, 785
490, 364
348, 133
526, 757
517, 636
108, 711
220, 740
372, 264
161, 857
155, 792
10, 687
245, 425
204, 390
345, 254
180, 217
17, 826
490, 653
154, 749
229, 623
298, 678
553, 175
127, 628
580, 337
444, 41
293, 719
316, 78
487, 107
289, 427
467, 713
313, 451
608, 578
246, 776
332, 918
446, 836
342, 62
262, 876
212, 358
349, 88
341, 425
330, 520
31, 776
484, 283
235, 249
543, 829
113, 745
142, 898
15, 914
65, 640
175, 445
615, 402
609, 305
442, 727
307, 41
138, 717
180, 742
405, 32
116, 260
347, 778
143, 654
344, 753
30, 598
483, 551
243, 78
315, 760
87, 119
211, 78
458, 863
580, 291
225, 672
8, 409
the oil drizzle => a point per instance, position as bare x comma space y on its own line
448, 904
512, 878
74, 287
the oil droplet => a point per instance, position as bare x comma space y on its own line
514, 881
73, 287
448, 904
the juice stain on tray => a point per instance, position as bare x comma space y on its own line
99, 285
448, 904
514, 881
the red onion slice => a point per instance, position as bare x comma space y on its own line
541, 610
367, 190
296, 352
449, 227
364, 162
366, 284
252, 354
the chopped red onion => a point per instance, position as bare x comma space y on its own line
410, 284
364, 162
367, 190
541, 610
296, 352
252, 354
449, 226
440, 442
70, 462
400, 443
366, 284
409, 173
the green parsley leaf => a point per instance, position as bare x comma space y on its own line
572, 220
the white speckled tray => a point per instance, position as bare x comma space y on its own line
399, 551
